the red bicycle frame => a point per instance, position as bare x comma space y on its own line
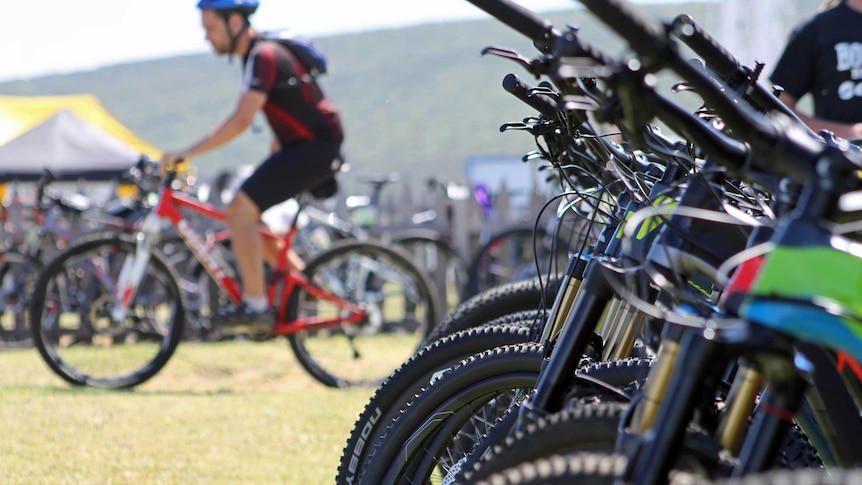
170, 203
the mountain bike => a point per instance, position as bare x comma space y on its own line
108, 312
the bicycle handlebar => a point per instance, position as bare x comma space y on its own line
645, 35
724, 64
539, 30
724, 149
719, 59
787, 147
521, 90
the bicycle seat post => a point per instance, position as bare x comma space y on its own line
377, 185
294, 224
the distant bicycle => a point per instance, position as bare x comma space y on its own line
523, 251
52, 222
429, 248
109, 312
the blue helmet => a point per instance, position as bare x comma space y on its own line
246, 7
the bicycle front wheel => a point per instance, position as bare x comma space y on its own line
72, 322
401, 307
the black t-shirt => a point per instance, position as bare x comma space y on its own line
296, 110
824, 58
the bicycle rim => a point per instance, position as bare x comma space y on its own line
395, 394
510, 256
446, 268
397, 298
445, 420
73, 327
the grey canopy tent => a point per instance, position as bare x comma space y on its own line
73, 136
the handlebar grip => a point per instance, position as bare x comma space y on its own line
719, 59
539, 30
646, 35
521, 90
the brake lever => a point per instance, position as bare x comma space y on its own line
581, 67
506, 54
530, 124
514, 127
532, 155
580, 103
545, 91
533, 66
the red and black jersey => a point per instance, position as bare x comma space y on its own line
296, 108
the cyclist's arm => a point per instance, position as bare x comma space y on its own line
248, 105
849, 131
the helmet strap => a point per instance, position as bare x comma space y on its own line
234, 38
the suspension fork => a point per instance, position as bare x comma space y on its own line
703, 357
644, 414
569, 287
579, 322
741, 400
779, 403
570, 345
652, 452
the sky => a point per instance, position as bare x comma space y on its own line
40, 37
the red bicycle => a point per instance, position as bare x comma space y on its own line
109, 312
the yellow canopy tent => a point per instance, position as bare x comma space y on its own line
74, 136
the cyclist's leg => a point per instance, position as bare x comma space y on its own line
283, 175
272, 250
242, 216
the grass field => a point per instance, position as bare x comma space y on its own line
236, 412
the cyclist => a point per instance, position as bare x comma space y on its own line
306, 147
823, 57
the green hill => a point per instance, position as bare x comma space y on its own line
418, 100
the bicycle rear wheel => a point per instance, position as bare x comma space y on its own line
444, 265
71, 319
510, 256
401, 305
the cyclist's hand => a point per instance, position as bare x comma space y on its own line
169, 162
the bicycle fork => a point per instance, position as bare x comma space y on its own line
134, 268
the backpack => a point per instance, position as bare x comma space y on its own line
303, 49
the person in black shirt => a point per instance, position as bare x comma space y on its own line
823, 58
306, 147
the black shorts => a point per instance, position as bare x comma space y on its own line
291, 170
